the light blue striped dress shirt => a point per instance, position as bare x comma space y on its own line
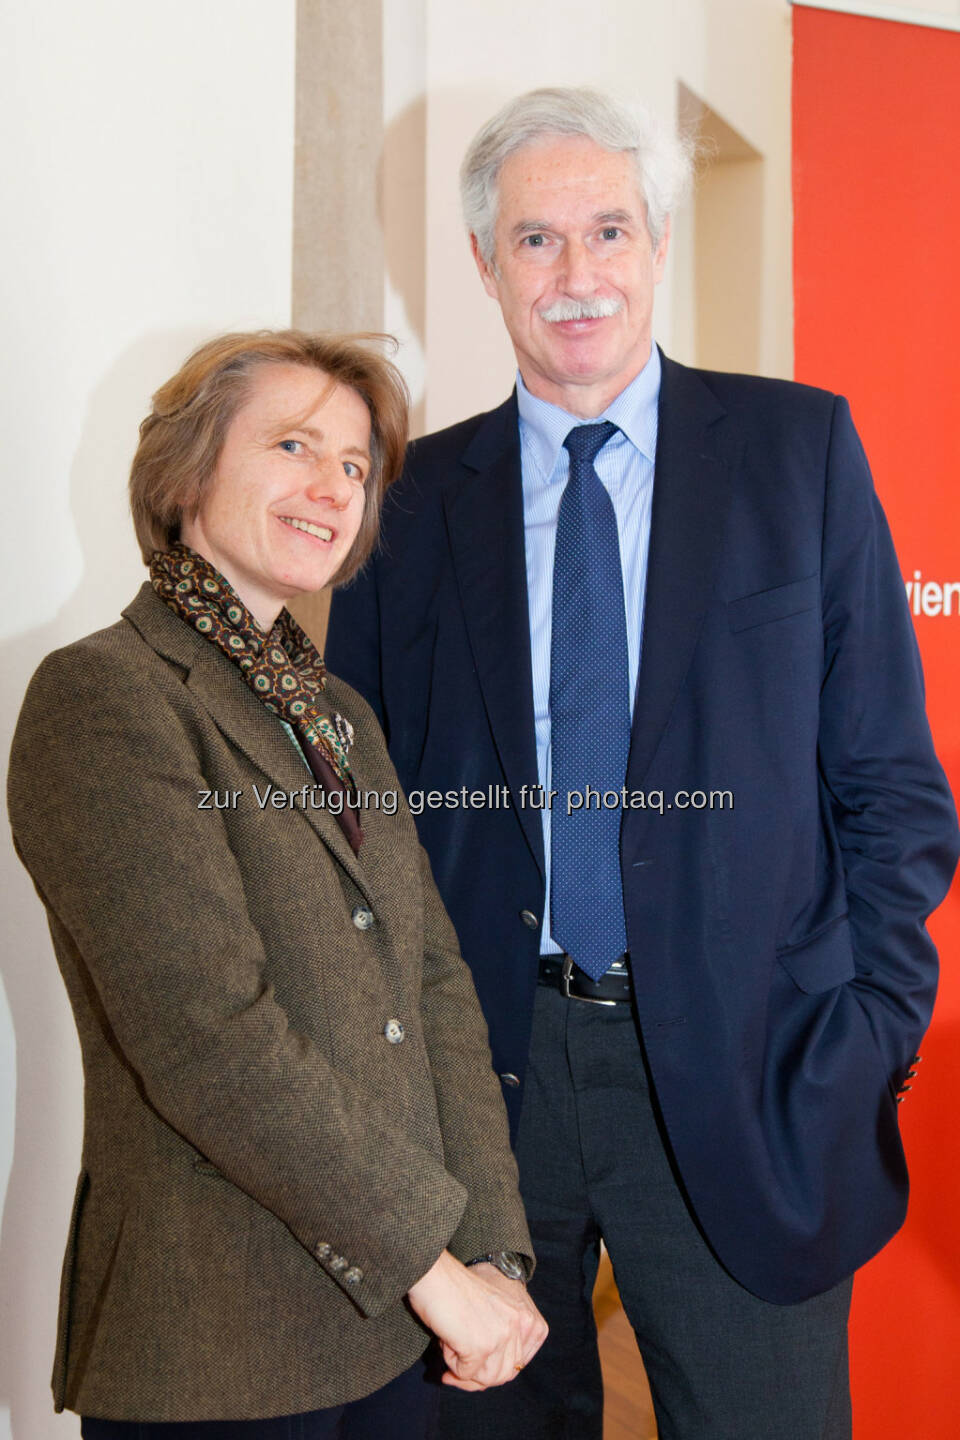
625, 467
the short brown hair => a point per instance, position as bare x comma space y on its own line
181, 438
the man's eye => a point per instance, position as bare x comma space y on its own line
611, 232
291, 447
535, 242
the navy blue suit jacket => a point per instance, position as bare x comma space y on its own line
783, 973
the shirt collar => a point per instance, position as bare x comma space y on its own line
544, 427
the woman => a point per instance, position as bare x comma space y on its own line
295, 1151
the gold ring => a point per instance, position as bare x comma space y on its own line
518, 1367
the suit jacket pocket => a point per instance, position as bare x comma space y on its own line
775, 604
823, 961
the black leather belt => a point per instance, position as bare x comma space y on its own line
613, 988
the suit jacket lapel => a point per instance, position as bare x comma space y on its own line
695, 459
238, 714
484, 513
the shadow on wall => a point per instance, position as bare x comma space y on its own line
428, 260
402, 197
46, 1130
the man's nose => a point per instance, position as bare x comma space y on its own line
579, 272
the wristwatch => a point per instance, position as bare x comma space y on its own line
509, 1262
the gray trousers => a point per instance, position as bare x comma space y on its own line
722, 1364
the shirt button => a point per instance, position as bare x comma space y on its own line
337, 1264
509, 1079
322, 1251
529, 919
393, 1031
353, 1276
362, 917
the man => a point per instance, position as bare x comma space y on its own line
737, 837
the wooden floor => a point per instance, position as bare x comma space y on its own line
627, 1411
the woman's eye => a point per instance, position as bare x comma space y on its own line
353, 471
291, 447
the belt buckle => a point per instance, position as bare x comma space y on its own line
566, 971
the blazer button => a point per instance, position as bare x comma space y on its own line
530, 920
510, 1079
362, 917
323, 1251
337, 1264
393, 1031
353, 1276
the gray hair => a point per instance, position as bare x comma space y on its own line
664, 161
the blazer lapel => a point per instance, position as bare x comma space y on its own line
484, 513
238, 714
690, 497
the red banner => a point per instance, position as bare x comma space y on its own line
876, 182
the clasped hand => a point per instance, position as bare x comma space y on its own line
487, 1325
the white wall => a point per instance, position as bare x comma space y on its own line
147, 181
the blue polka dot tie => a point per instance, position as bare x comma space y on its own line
589, 714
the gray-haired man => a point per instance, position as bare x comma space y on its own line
661, 606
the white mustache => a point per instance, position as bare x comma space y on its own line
600, 308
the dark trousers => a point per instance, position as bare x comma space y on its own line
405, 1409
722, 1364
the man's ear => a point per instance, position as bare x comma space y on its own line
660, 254
487, 270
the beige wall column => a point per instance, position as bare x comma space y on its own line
337, 231
338, 252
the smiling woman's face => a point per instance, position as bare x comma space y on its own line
286, 499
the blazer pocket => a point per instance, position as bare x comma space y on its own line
823, 961
775, 604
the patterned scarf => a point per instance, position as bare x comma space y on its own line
283, 669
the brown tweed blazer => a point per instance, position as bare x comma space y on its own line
265, 1172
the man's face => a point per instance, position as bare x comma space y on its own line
571, 239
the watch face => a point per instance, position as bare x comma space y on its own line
510, 1263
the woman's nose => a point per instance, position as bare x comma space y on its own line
330, 482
